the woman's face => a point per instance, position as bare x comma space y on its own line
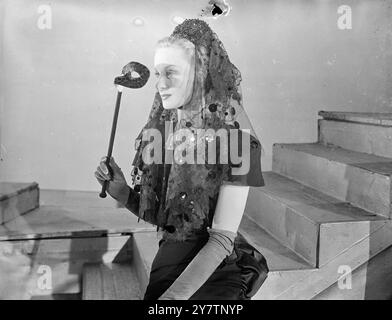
175, 73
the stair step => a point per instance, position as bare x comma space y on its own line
17, 199
145, 247
65, 296
72, 221
308, 285
371, 281
316, 226
278, 256
361, 179
285, 266
110, 281
66, 198
376, 118
306, 282
360, 137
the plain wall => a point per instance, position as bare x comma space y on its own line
58, 98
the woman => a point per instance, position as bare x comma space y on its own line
196, 200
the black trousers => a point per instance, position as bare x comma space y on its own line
173, 257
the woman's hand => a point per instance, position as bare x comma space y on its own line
117, 186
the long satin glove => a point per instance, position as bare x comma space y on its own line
219, 245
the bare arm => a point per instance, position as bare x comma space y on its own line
227, 217
230, 207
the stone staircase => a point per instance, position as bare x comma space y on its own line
325, 208
329, 202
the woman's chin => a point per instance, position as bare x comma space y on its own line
169, 106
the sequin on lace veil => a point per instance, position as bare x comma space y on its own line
180, 198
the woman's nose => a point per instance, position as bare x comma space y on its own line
162, 83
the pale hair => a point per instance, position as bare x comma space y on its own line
184, 44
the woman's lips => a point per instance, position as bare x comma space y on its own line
165, 96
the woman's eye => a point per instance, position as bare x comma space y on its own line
157, 74
171, 74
